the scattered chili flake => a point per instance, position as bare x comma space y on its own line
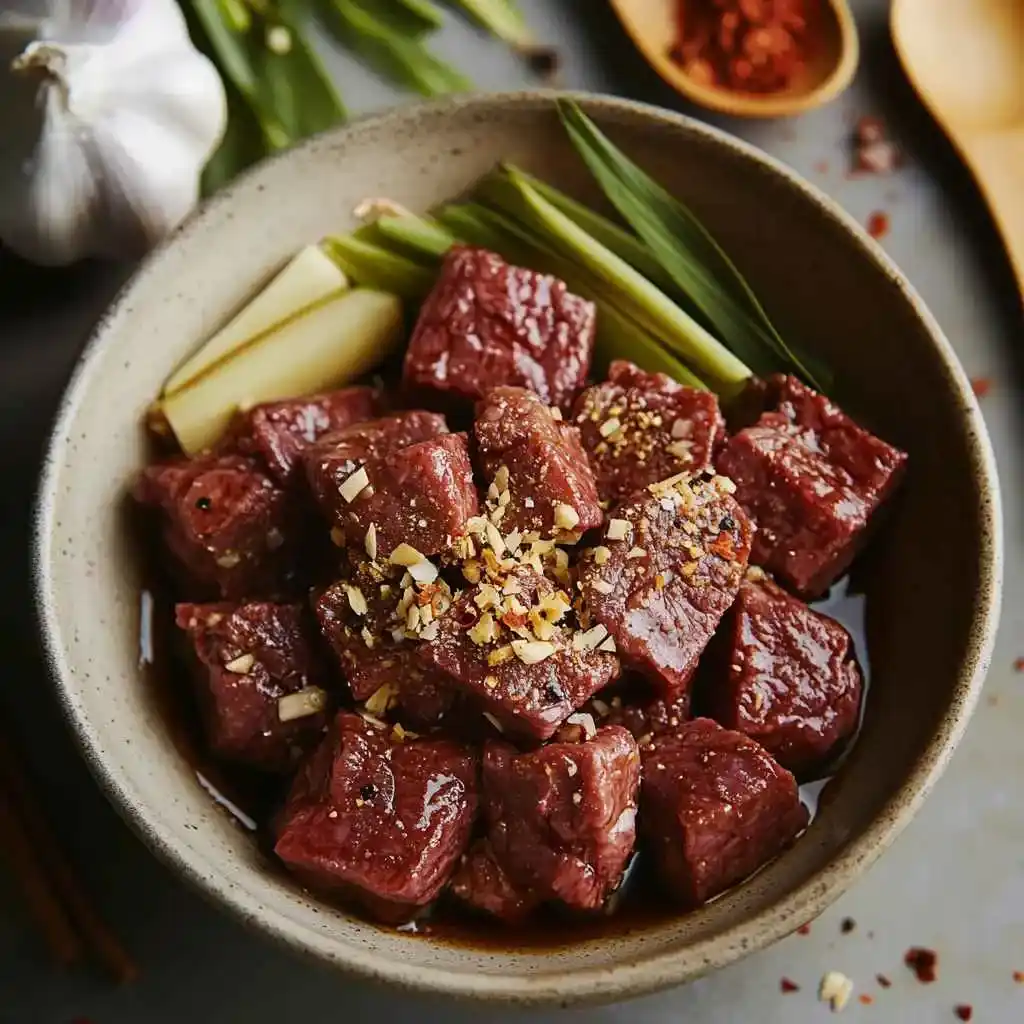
848, 924
1018, 976
744, 46
981, 386
1018, 665
204, 503
878, 224
874, 152
883, 981
804, 929
922, 962
964, 1011
864, 999
788, 986
723, 547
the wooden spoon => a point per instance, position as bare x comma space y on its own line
654, 28
965, 58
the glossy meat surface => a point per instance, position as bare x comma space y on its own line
487, 323
380, 821
662, 588
786, 676
541, 469
714, 807
639, 428
811, 479
249, 657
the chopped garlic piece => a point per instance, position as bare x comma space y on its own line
501, 655
490, 718
356, 601
424, 571
370, 541
485, 630
680, 449
501, 478
602, 586
601, 554
682, 428
494, 539
381, 699
609, 427
835, 989
619, 529
405, 554
354, 485
593, 636
566, 517
530, 652
308, 701
585, 722
242, 665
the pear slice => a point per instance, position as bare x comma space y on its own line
308, 277
331, 344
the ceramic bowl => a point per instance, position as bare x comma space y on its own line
931, 575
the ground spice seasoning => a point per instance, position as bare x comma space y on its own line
922, 962
787, 986
752, 46
964, 1011
878, 224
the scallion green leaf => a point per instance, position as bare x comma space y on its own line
376, 267
502, 18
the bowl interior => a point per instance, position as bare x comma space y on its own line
930, 576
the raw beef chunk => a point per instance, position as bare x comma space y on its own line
277, 432
561, 823
714, 808
785, 676
538, 473
638, 428
397, 480
481, 883
487, 323
810, 478
252, 655
509, 647
667, 570
381, 822
230, 529
369, 622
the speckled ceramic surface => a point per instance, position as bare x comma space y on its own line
932, 576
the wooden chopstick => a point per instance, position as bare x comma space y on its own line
39, 850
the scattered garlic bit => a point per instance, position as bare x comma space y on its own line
477, 525
680, 449
530, 652
835, 989
619, 529
398, 734
577, 798
490, 718
609, 427
681, 428
337, 537
602, 586
500, 655
593, 636
354, 485
382, 699
485, 631
495, 539
723, 485
374, 721
405, 554
242, 665
424, 571
600, 707
601, 554
491, 682
308, 701
356, 601
636, 553
528, 502
430, 632
556, 413
566, 517
513, 540
585, 722
370, 540
501, 479
229, 559
608, 646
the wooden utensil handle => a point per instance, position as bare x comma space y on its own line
997, 160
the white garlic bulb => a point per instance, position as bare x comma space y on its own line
108, 115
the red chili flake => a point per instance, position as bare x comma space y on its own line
1018, 976
788, 986
723, 547
1018, 665
804, 929
848, 924
964, 1011
922, 962
883, 981
878, 224
981, 386
865, 999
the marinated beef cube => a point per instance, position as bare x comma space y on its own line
398, 480
509, 645
368, 620
639, 428
379, 821
667, 570
277, 432
481, 883
261, 691
786, 676
714, 807
645, 717
561, 820
229, 528
539, 478
810, 478
487, 323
